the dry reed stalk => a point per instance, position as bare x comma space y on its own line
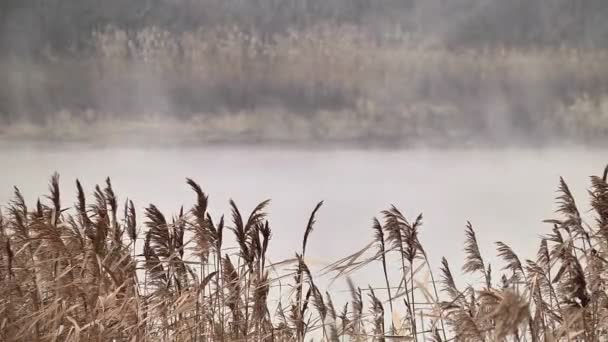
74, 277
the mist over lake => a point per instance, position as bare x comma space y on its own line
505, 193
303, 170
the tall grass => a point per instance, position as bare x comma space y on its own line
328, 81
95, 271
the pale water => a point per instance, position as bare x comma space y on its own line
504, 193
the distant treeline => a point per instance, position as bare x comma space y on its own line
34, 26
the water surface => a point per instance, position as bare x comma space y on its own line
505, 194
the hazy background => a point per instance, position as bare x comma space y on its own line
158, 82
390, 72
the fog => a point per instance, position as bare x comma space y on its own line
398, 73
459, 110
347, 101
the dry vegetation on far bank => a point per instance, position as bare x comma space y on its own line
325, 83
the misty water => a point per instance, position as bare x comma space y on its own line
504, 193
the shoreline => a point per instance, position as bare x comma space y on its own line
148, 141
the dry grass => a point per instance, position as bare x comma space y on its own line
90, 272
327, 82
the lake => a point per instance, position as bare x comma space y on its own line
504, 193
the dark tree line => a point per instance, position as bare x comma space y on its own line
27, 26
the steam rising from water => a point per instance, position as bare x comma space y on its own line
402, 73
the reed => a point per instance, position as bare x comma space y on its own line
334, 82
94, 272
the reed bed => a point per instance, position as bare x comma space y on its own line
325, 82
98, 271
